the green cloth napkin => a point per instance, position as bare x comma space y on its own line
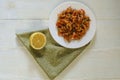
53, 58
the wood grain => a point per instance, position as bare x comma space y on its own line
33, 9
101, 61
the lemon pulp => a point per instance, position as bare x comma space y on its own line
37, 40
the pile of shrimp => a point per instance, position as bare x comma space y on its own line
72, 24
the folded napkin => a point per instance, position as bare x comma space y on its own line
53, 58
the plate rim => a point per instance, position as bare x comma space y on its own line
72, 3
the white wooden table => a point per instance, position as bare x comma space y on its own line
101, 61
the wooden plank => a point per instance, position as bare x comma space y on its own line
97, 64
107, 34
9, 28
17, 64
100, 62
40, 9
104, 9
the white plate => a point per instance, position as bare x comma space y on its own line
75, 43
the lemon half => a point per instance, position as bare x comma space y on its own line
37, 40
